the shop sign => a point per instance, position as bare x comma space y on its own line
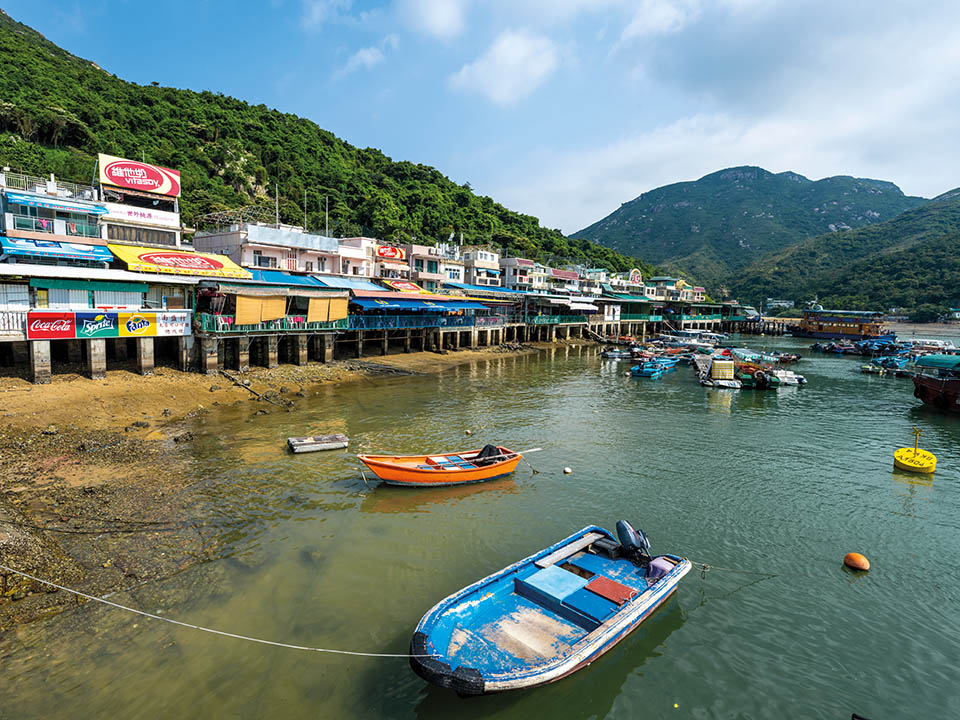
50, 326
135, 175
138, 324
97, 325
173, 324
181, 261
404, 286
142, 216
636, 276
388, 252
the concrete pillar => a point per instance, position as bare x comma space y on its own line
120, 348
75, 351
39, 352
184, 343
456, 340
406, 341
273, 347
209, 359
21, 352
96, 358
384, 344
243, 353
474, 337
145, 355
300, 350
327, 347
360, 343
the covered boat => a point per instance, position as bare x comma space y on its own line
545, 616
937, 381
442, 469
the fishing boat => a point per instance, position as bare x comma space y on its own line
616, 353
647, 370
442, 469
315, 443
937, 381
546, 616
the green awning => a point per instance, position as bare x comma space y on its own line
946, 362
64, 284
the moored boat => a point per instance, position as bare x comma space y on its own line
937, 381
442, 469
547, 615
315, 443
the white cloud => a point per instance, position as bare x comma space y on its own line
319, 12
513, 67
368, 57
660, 17
440, 18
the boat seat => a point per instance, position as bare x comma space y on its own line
568, 550
550, 588
592, 605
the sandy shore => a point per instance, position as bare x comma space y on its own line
95, 491
925, 330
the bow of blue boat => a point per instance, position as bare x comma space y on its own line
543, 617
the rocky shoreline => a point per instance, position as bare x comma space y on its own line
97, 492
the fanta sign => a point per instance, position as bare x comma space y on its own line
138, 324
391, 253
50, 326
181, 261
135, 175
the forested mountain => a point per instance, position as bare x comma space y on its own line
57, 111
911, 260
729, 219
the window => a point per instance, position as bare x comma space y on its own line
14, 297
452, 274
117, 298
141, 236
432, 266
418, 265
308, 265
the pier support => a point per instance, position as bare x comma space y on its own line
145, 356
74, 352
474, 337
273, 348
209, 359
243, 354
384, 344
120, 349
184, 345
39, 361
300, 354
96, 358
406, 341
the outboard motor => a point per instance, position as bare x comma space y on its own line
635, 544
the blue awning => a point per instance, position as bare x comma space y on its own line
417, 305
376, 304
343, 283
55, 204
56, 249
282, 278
483, 288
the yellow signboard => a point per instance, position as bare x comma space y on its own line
178, 262
137, 324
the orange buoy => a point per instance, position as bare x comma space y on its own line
856, 561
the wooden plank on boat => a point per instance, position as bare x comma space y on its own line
568, 550
318, 442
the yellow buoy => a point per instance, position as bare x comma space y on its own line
914, 459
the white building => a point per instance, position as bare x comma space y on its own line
482, 265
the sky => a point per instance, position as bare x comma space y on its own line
565, 109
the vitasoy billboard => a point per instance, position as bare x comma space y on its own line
136, 175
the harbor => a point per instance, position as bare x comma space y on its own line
734, 479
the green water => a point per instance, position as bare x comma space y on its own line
780, 482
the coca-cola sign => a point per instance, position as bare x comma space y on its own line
51, 326
181, 261
391, 253
135, 175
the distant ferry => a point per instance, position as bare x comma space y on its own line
842, 325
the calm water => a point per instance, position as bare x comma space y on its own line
780, 482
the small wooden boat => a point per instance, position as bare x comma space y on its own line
545, 616
318, 442
438, 470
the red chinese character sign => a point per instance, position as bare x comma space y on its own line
135, 175
388, 252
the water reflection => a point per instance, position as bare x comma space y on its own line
387, 499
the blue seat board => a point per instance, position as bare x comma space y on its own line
590, 604
555, 582
622, 572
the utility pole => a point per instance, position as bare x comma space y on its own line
276, 200
304, 209
326, 214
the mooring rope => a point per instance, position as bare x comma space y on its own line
704, 568
206, 629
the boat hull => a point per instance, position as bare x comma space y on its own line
942, 394
413, 470
434, 655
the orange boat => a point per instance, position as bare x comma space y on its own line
445, 469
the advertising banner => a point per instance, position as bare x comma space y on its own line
136, 175
389, 252
50, 326
97, 325
138, 324
178, 262
142, 216
173, 324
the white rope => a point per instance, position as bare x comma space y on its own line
209, 630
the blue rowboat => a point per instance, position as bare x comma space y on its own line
647, 370
545, 616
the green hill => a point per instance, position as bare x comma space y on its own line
908, 261
57, 111
729, 219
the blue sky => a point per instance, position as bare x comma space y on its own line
565, 109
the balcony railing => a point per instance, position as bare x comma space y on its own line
226, 324
698, 318
30, 183
13, 322
431, 320
83, 230
556, 319
31, 224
